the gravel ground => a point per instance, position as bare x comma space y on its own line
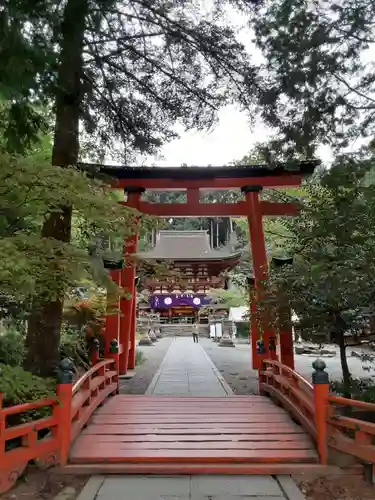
342, 487
153, 356
37, 484
234, 363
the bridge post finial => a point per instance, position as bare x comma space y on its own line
65, 370
321, 392
319, 376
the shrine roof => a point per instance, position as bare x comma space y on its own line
186, 246
303, 168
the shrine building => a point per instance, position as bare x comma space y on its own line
194, 268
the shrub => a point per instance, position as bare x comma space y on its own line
19, 386
11, 348
73, 346
363, 390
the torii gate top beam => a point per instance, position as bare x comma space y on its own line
224, 177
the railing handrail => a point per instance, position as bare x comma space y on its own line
306, 402
25, 407
71, 407
355, 403
329, 429
87, 375
272, 362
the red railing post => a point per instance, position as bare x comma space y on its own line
261, 355
320, 381
114, 354
94, 348
63, 409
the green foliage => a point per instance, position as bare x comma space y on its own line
145, 66
229, 298
33, 265
362, 390
331, 283
19, 386
12, 348
317, 83
334, 270
73, 345
141, 67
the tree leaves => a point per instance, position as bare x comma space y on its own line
29, 188
317, 65
146, 66
333, 274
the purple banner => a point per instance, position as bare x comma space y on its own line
178, 300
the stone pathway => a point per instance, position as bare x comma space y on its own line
188, 371
191, 488
144, 373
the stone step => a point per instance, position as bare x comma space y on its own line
182, 330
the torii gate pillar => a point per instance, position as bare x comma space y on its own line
128, 303
260, 264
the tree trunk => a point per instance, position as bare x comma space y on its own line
43, 335
346, 375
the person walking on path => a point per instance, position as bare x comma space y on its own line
195, 332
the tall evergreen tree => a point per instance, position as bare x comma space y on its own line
318, 79
126, 71
330, 285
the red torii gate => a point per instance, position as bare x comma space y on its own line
250, 179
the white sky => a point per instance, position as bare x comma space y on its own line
230, 140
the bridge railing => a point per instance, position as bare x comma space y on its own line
322, 415
48, 440
21, 443
351, 434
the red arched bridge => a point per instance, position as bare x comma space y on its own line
90, 428
291, 425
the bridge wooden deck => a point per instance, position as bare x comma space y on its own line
149, 432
